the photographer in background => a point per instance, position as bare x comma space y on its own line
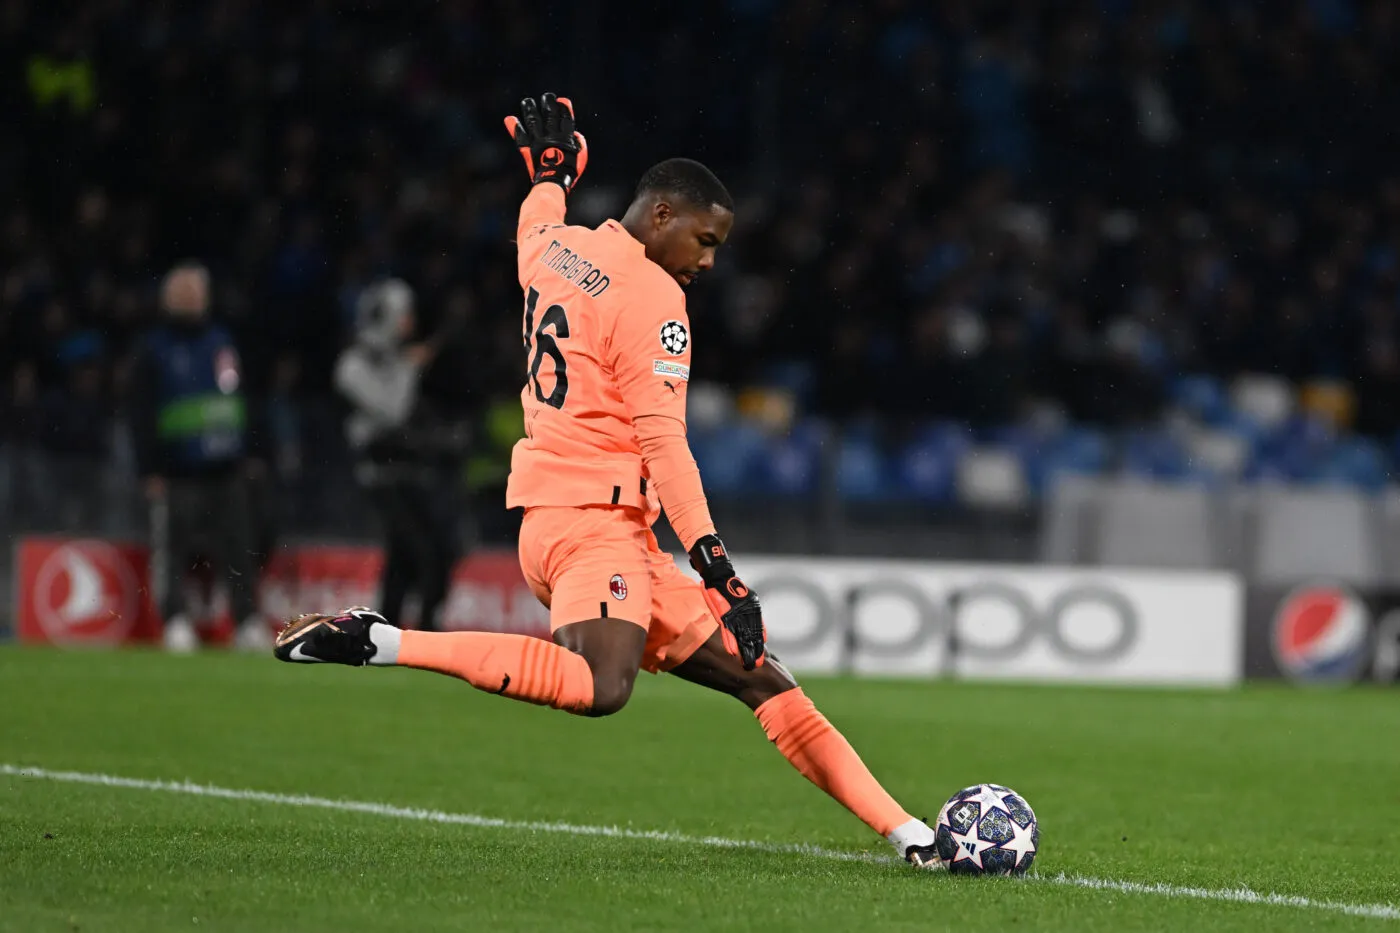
189, 419
404, 454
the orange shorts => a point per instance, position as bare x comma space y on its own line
604, 562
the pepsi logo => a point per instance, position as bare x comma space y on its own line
618, 586
1320, 633
85, 591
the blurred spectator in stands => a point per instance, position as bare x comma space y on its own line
193, 444
401, 450
1000, 181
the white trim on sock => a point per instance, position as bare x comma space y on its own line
912, 833
386, 641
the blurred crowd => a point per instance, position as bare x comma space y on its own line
958, 210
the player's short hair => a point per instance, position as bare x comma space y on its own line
687, 179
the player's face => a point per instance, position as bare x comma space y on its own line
186, 294
687, 238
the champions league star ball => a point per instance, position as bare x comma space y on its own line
987, 829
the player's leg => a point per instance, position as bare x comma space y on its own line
810, 742
171, 539
589, 669
789, 718
233, 542
397, 573
436, 536
571, 558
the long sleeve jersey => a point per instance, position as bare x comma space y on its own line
607, 350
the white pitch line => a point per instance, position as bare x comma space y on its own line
1239, 895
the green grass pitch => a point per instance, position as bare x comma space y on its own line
1283, 791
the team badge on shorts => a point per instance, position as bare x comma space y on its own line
675, 339
618, 586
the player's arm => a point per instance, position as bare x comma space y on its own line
555, 155
387, 396
652, 378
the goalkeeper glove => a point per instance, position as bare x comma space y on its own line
544, 133
733, 603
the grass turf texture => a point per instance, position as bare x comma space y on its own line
1282, 790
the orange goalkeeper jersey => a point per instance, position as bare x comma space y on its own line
607, 342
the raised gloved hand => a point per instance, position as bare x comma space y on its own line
544, 133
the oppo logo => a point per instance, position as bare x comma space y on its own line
953, 618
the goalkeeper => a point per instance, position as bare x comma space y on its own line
607, 361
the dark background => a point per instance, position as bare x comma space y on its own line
965, 213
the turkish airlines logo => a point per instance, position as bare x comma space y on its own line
85, 591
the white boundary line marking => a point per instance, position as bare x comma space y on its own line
1240, 895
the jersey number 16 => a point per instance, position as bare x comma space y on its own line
546, 344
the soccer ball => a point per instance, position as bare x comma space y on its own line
987, 829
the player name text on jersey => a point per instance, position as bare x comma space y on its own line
574, 269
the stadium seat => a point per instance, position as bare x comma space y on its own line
728, 457
991, 478
773, 409
1155, 455
791, 464
1356, 462
1330, 401
1202, 397
708, 405
1220, 454
1292, 451
862, 475
1295, 534
927, 466
1081, 451
1267, 400
1027, 443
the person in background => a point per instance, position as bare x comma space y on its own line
400, 449
191, 437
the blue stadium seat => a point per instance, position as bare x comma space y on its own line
1293, 452
728, 457
1202, 397
1156, 454
1080, 451
1356, 462
792, 463
862, 473
1044, 454
927, 465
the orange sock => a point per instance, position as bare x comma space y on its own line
517, 666
826, 759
